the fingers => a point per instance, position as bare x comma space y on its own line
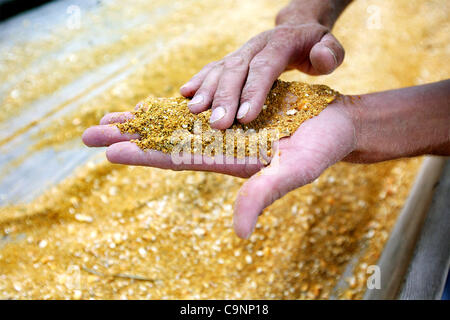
105, 135
264, 69
219, 84
130, 154
226, 97
236, 87
116, 117
191, 87
228, 92
326, 55
204, 95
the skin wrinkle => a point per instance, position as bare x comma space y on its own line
329, 132
115, 117
294, 38
345, 111
120, 153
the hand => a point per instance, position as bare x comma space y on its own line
237, 85
317, 144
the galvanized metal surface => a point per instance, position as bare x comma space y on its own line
397, 253
430, 263
48, 166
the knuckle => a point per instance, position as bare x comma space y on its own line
283, 44
256, 41
206, 90
282, 32
287, 35
250, 91
247, 51
234, 62
261, 63
222, 95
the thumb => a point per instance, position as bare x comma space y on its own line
263, 188
326, 55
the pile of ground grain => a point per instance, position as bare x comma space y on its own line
162, 123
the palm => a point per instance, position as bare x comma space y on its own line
317, 144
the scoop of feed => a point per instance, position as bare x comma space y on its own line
167, 125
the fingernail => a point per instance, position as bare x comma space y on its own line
243, 110
197, 99
334, 56
217, 114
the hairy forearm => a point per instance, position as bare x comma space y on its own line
324, 12
401, 123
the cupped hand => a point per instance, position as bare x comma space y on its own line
237, 85
299, 159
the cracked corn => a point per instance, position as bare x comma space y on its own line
156, 234
287, 106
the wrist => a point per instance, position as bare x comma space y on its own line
323, 12
400, 123
356, 107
